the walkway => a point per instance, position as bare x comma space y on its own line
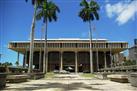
70, 85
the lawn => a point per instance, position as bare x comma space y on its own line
87, 75
49, 75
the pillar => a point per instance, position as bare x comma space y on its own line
114, 56
24, 58
117, 57
61, 61
17, 62
110, 54
76, 62
97, 60
40, 59
46, 62
105, 60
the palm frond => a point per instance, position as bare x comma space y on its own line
39, 15
96, 15
39, 2
84, 3
94, 5
90, 12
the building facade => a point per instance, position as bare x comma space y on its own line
133, 51
70, 53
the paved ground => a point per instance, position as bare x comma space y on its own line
70, 84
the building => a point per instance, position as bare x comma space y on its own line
74, 53
133, 51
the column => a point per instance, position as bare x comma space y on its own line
97, 60
117, 56
105, 60
17, 62
61, 61
114, 56
46, 62
24, 58
76, 62
110, 58
40, 59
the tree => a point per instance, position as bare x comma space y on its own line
36, 4
88, 13
47, 12
6, 64
129, 62
17, 63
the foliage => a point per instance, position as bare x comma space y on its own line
36, 1
6, 64
129, 62
87, 75
89, 10
49, 75
47, 11
17, 63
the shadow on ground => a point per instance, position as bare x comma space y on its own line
63, 87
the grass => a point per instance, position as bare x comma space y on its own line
49, 75
87, 75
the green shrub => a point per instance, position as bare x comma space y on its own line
129, 62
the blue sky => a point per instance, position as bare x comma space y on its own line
117, 23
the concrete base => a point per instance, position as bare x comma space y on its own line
118, 78
36, 76
17, 78
2, 80
102, 75
133, 79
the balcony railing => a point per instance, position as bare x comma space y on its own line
70, 45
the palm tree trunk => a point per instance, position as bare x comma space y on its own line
40, 58
32, 40
90, 36
46, 47
45, 50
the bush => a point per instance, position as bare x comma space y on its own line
129, 62
6, 64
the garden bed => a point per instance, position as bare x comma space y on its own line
36, 76
118, 78
133, 79
17, 78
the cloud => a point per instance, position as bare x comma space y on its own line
122, 11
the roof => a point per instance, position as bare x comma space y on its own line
70, 39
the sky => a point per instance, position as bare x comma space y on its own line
118, 22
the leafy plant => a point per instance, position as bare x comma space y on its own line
6, 64
129, 62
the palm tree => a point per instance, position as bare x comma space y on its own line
36, 4
40, 57
88, 13
48, 13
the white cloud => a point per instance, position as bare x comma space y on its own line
123, 11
